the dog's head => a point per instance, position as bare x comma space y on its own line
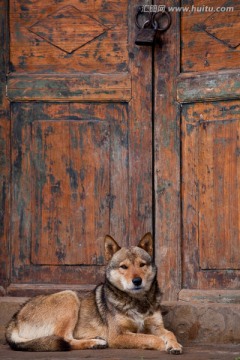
130, 269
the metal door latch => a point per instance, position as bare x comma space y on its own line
151, 28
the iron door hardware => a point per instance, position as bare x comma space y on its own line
151, 29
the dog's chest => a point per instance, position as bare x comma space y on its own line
138, 320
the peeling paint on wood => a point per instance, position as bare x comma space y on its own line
215, 36
77, 146
83, 132
207, 86
4, 154
63, 179
93, 87
167, 161
210, 189
37, 44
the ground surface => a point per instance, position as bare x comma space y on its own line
217, 352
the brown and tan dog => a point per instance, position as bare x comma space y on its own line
124, 312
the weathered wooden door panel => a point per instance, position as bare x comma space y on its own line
210, 146
68, 36
67, 176
76, 138
210, 193
210, 35
71, 190
196, 132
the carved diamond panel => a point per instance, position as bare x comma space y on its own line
225, 26
68, 29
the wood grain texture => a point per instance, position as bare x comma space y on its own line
80, 93
219, 85
81, 87
210, 296
33, 290
4, 154
209, 84
70, 190
140, 135
210, 192
167, 161
86, 139
61, 28
64, 199
48, 51
209, 39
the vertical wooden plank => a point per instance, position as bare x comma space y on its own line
21, 215
119, 172
70, 204
167, 159
228, 245
190, 198
4, 152
204, 163
140, 134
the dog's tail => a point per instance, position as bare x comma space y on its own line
47, 343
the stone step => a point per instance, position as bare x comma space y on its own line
203, 323
192, 322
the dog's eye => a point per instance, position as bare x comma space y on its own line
142, 264
123, 267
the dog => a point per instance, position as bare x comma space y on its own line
124, 312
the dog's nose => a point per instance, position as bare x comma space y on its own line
137, 281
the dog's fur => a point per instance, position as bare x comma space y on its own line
124, 312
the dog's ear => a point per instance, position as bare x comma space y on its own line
147, 243
111, 246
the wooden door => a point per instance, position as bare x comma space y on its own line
77, 130
76, 140
197, 164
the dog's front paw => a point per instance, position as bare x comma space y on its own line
174, 349
99, 343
